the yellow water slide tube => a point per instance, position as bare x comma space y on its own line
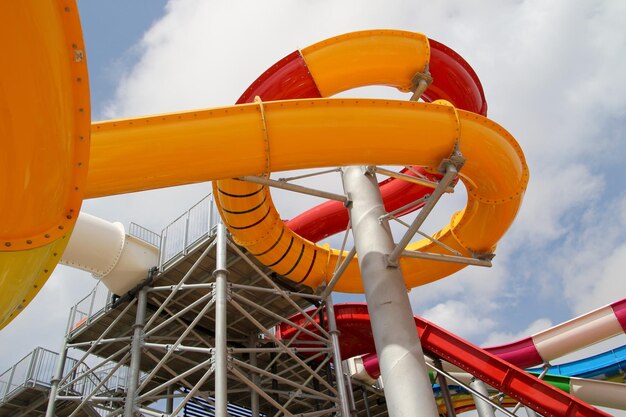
44, 142
137, 154
45, 139
495, 174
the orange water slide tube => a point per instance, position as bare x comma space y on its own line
44, 142
53, 164
391, 58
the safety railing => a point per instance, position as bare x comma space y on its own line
34, 370
188, 231
90, 307
144, 234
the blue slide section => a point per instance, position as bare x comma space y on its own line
603, 366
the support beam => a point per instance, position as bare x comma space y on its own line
255, 410
58, 375
342, 392
445, 391
132, 403
483, 408
407, 386
297, 188
221, 358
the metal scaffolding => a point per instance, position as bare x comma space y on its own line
209, 326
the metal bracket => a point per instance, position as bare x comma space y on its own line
456, 160
485, 256
420, 83
389, 263
348, 201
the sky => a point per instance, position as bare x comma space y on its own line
553, 77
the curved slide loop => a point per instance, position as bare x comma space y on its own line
454, 80
384, 58
331, 133
45, 132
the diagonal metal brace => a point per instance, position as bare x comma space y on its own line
451, 166
420, 83
294, 187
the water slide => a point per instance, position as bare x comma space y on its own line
610, 366
356, 340
453, 79
568, 337
103, 160
597, 380
583, 331
58, 158
387, 58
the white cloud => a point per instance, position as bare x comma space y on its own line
558, 191
460, 318
499, 338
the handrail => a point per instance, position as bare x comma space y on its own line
187, 231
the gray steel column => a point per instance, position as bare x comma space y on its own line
483, 408
58, 375
169, 403
408, 391
132, 404
254, 396
221, 366
443, 385
334, 339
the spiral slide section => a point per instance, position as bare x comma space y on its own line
331, 132
363, 58
453, 80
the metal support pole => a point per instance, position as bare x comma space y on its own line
132, 402
58, 375
221, 358
445, 391
254, 396
169, 403
344, 403
366, 403
407, 386
483, 408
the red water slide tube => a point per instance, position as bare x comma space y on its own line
453, 80
353, 322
